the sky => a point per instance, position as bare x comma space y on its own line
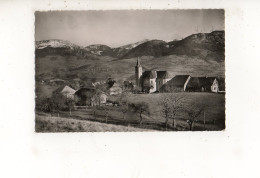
117, 28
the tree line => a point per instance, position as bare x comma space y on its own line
170, 105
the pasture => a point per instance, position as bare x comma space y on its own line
214, 113
45, 123
214, 110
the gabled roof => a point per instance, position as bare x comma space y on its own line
68, 89
115, 85
163, 75
178, 80
176, 83
149, 74
65, 89
198, 82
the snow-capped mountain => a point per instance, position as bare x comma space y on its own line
122, 50
203, 45
131, 46
59, 47
99, 49
54, 44
104, 50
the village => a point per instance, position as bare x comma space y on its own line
147, 82
135, 103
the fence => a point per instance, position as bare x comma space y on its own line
82, 107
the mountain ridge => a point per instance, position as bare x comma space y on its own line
209, 46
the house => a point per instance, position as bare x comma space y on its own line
215, 85
162, 78
86, 97
149, 81
115, 89
103, 98
221, 85
89, 96
128, 86
176, 84
57, 81
66, 91
202, 84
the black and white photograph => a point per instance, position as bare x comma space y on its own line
129, 89
130, 70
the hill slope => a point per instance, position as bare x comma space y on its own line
208, 46
196, 55
100, 50
60, 47
150, 48
122, 50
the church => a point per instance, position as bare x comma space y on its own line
149, 81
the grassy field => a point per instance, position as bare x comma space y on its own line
214, 109
56, 66
214, 114
215, 103
45, 123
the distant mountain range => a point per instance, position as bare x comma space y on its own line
199, 54
209, 46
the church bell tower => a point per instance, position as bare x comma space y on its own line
138, 72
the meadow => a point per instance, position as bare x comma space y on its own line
45, 123
214, 113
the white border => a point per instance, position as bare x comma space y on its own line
225, 154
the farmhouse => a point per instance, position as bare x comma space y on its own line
150, 81
115, 89
203, 84
221, 84
103, 98
86, 97
128, 86
176, 84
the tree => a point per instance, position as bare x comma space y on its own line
193, 112
43, 105
170, 105
57, 103
106, 109
110, 82
128, 86
69, 103
122, 102
140, 108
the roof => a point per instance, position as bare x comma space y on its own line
65, 89
163, 75
115, 85
221, 83
175, 83
149, 74
86, 91
57, 80
68, 89
199, 82
178, 80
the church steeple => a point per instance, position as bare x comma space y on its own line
138, 72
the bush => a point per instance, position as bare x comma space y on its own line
54, 104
